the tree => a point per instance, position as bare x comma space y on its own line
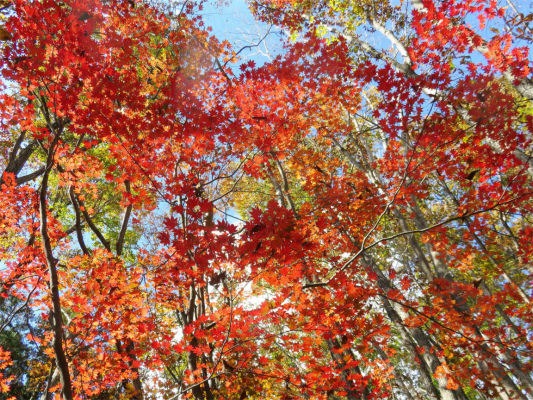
384, 197
25, 356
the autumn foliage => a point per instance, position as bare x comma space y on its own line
352, 220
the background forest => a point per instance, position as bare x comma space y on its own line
338, 207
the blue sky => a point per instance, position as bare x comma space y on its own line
235, 23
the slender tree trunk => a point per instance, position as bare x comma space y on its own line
353, 394
397, 378
432, 362
508, 387
56, 315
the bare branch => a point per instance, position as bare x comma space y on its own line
125, 220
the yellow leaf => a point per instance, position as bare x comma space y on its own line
5, 35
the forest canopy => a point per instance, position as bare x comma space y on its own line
346, 217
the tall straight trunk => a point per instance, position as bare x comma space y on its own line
419, 338
516, 366
56, 318
352, 394
396, 312
508, 388
397, 378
